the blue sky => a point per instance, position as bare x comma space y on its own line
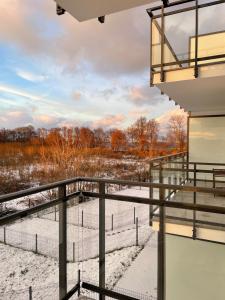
56, 71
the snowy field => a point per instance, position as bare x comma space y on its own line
20, 269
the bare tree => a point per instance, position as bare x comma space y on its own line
177, 131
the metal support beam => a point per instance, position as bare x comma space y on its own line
150, 194
161, 295
102, 237
196, 39
194, 212
162, 44
62, 243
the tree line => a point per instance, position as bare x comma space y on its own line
145, 136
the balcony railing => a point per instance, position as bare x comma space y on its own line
195, 50
159, 204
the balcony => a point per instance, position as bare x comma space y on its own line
118, 239
188, 55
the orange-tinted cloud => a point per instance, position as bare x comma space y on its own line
109, 121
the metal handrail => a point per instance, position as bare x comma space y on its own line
63, 197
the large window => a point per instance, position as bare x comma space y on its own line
207, 139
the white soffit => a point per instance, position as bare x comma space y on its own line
197, 95
84, 10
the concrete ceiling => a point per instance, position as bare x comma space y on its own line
201, 95
84, 10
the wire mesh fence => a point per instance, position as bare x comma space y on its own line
80, 217
123, 291
50, 292
79, 249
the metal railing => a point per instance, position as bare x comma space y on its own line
194, 59
161, 203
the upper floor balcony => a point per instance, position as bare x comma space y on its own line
188, 54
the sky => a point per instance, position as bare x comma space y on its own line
56, 71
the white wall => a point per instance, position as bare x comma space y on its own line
195, 270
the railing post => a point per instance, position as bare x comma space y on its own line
161, 173
151, 53
150, 194
62, 243
161, 249
162, 44
102, 237
194, 212
196, 39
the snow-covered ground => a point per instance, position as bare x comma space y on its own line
145, 270
20, 269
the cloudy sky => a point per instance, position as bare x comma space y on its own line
56, 71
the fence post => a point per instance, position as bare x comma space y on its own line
137, 231
161, 278
175, 182
30, 292
112, 222
55, 214
169, 191
62, 242
180, 180
36, 243
74, 258
134, 214
194, 212
102, 237
4, 229
78, 292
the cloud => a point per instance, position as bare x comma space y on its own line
104, 48
18, 92
17, 118
31, 76
144, 95
139, 112
76, 95
109, 121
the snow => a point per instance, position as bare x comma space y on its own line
145, 270
28, 269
